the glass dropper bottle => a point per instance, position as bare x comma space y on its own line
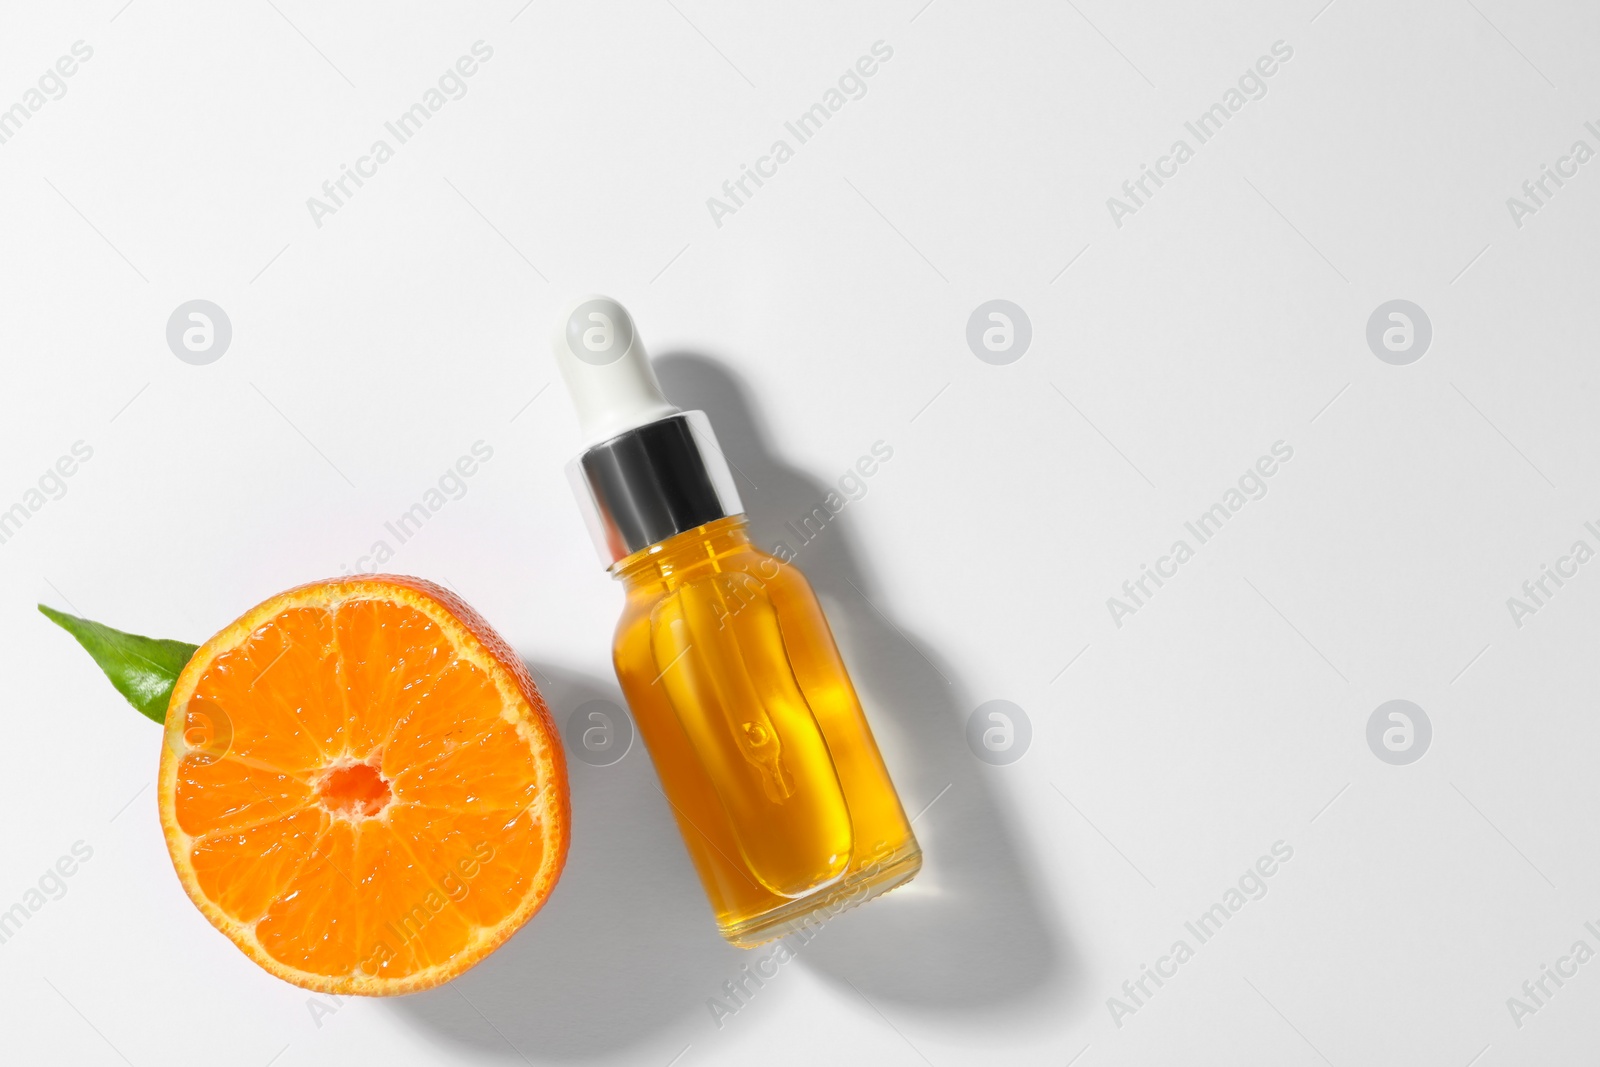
725, 658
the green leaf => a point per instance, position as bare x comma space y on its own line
143, 669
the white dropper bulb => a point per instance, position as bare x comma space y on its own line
606, 369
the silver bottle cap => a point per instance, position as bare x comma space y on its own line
653, 482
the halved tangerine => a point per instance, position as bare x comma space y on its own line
362, 787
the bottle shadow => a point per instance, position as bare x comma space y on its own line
625, 947
969, 934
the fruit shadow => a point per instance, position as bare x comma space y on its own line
970, 934
625, 948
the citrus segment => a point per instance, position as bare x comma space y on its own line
230, 794
362, 787
390, 655
491, 772
461, 704
487, 854
246, 870
287, 669
310, 927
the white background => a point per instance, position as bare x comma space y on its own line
828, 313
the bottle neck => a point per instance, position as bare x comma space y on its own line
684, 555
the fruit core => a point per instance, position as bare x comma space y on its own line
354, 790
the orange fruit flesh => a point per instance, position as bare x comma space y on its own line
362, 787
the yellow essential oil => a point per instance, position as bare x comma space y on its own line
757, 736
